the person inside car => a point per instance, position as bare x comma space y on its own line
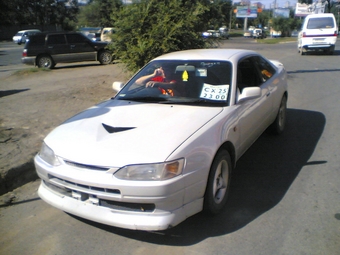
162, 79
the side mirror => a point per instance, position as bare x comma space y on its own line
117, 86
249, 93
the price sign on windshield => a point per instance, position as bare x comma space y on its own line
215, 92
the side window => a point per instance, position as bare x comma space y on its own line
75, 38
247, 74
265, 68
38, 39
56, 39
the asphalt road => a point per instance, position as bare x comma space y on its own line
284, 197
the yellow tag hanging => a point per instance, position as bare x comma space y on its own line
185, 76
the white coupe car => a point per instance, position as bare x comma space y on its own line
163, 148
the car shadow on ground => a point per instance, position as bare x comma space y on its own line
4, 93
316, 53
263, 176
78, 65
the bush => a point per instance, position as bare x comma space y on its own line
151, 28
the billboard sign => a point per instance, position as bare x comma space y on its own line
303, 10
282, 12
246, 12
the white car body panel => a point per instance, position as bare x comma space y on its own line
159, 133
318, 38
87, 136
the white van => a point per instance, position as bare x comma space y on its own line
23, 36
319, 32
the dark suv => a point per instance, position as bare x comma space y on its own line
48, 49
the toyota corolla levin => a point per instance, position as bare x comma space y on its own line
164, 147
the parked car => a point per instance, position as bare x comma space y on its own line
294, 33
94, 36
211, 34
248, 34
258, 33
275, 34
106, 34
319, 33
165, 146
224, 32
48, 49
24, 35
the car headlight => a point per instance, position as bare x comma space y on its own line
151, 172
47, 154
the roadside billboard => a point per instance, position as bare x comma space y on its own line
303, 10
282, 12
246, 12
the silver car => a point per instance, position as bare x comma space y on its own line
164, 147
23, 36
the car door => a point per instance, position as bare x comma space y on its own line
254, 114
81, 49
57, 47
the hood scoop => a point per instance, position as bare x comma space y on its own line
115, 129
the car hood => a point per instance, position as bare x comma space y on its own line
115, 133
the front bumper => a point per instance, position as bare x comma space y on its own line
96, 196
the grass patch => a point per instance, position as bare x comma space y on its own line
269, 40
31, 70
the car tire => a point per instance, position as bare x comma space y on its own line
45, 61
278, 126
105, 57
301, 51
216, 193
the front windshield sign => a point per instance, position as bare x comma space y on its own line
213, 92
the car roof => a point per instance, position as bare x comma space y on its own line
29, 30
320, 15
207, 54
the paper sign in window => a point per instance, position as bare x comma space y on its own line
215, 92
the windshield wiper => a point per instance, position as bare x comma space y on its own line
195, 101
144, 98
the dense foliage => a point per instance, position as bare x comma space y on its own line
99, 13
151, 28
38, 12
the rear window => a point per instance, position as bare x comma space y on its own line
324, 22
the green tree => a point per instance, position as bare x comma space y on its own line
281, 24
38, 12
151, 28
99, 13
218, 14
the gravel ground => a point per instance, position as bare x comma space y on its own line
33, 103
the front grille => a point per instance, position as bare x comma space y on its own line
82, 187
134, 207
84, 166
86, 197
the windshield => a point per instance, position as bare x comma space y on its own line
198, 82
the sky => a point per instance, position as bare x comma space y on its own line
280, 3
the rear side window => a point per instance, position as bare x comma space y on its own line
38, 39
76, 38
324, 22
56, 39
265, 68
